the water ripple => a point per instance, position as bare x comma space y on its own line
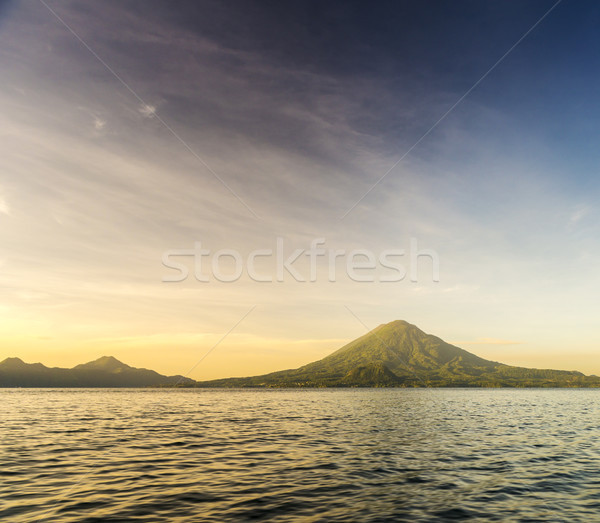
299, 455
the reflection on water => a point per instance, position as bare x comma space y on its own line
300, 455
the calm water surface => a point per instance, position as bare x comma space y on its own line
299, 455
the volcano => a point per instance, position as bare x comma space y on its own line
399, 354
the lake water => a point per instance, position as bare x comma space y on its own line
300, 455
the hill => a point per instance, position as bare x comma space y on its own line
103, 372
399, 354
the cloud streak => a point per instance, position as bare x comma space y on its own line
488, 341
4, 208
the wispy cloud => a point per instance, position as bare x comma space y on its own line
99, 124
147, 110
4, 207
578, 214
488, 341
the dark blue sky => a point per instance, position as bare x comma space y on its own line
547, 86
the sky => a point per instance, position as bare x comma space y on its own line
130, 131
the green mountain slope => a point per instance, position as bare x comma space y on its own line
103, 372
399, 354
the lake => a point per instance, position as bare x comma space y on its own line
300, 455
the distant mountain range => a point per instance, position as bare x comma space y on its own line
103, 372
396, 354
